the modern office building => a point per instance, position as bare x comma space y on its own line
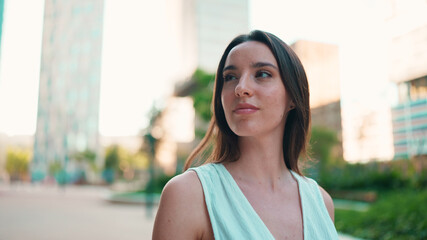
407, 26
409, 72
2, 150
69, 90
1, 20
321, 63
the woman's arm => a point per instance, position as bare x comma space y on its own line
329, 203
182, 211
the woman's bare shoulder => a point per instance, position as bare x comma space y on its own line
187, 182
183, 188
181, 207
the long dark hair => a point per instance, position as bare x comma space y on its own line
295, 137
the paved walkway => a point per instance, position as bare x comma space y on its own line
70, 213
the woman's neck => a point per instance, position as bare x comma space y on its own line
261, 161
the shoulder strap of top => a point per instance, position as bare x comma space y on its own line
317, 222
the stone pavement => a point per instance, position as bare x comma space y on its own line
73, 212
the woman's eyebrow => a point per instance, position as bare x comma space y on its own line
229, 67
263, 64
255, 65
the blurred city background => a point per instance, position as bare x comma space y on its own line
101, 101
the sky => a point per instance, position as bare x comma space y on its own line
20, 66
127, 93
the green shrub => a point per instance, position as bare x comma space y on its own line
396, 215
374, 176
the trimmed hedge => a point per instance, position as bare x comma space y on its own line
396, 215
389, 175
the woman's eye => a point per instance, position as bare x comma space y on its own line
263, 74
229, 77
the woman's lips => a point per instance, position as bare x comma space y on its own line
245, 108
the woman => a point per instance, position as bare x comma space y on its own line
250, 187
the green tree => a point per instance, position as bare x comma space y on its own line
202, 95
57, 170
86, 157
322, 142
86, 160
111, 164
112, 158
17, 163
55, 167
120, 161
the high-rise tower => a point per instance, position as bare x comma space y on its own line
68, 105
1, 18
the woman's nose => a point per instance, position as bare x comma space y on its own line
244, 88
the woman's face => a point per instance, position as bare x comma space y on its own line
253, 96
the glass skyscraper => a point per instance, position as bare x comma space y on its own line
1, 21
69, 91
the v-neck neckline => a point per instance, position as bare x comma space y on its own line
249, 205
